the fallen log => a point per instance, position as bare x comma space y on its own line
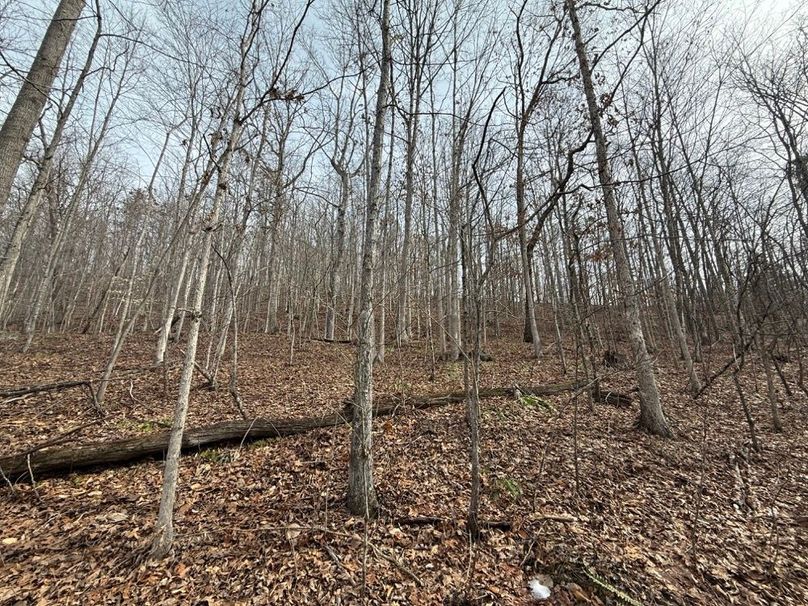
49, 462
14, 392
333, 341
31, 389
435, 521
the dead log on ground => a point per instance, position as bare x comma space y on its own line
435, 521
43, 463
13, 392
31, 389
614, 398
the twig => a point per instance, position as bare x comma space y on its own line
32, 389
335, 558
5, 477
131, 395
18, 398
33, 482
397, 564
568, 519
333, 341
435, 521
57, 440
59, 385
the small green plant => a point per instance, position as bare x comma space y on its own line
259, 443
535, 402
508, 486
217, 455
621, 595
147, 426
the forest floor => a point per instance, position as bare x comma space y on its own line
698, 519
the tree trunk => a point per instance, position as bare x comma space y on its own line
403, 331
361, 490
36, 195
339, 251
164, 528
652, 417
471, 373
531, 330
168, 319
24, 114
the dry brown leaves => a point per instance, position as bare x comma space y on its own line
265, 524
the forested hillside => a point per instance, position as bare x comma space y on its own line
403, 302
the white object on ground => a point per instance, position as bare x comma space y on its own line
537, 590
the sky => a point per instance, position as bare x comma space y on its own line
23, 22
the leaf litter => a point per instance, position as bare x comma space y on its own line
265, 523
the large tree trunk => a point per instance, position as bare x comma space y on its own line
29, 211
651, 416
24, 114
361, 490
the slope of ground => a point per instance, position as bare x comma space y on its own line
701, 519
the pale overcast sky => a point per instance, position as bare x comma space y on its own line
22, 24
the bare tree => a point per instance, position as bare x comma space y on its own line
36, 195
361, 490
24, 114
651, 416
232, 123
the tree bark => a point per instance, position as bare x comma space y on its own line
652, 417
531, 330
12, 254
361, 490
339, 251
24, 114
